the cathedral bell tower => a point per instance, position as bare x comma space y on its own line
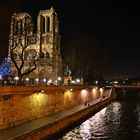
21, 28
49, 40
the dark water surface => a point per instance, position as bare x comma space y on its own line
120, 120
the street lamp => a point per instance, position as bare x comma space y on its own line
49, 82
96, 82
77, 81
16, 79
27, 80
59, 80
73, 82
37, 80
44, 81
56, 82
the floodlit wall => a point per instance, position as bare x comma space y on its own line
22, 104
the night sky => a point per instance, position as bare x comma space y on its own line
116, 25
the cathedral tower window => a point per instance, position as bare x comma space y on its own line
42, 24
18, 27
45, 24
48, 24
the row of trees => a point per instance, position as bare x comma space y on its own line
86, 57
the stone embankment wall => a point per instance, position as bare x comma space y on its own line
55, 128
22, 104
69, 121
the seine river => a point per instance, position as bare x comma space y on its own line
120, 120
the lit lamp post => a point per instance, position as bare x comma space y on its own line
37, 80
49, 82
56, 82
44, 81
73, 82
59, 80
78, 81
96, 82
27, 80
16, 79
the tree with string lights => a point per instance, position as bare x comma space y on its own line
5, 70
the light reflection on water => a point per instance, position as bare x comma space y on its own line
120, 120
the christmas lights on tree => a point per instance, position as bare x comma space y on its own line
5, 68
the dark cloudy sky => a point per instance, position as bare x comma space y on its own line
114, 23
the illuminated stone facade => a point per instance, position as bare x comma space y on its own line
42, 45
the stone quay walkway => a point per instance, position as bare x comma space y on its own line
17, 131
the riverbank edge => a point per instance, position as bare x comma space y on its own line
62, 125
58, 122
85, 114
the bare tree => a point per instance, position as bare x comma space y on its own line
22, 56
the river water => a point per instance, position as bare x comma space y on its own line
120, 120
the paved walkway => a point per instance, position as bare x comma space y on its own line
14, 132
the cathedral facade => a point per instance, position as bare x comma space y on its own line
38, 50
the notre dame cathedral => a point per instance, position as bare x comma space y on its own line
38, 51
